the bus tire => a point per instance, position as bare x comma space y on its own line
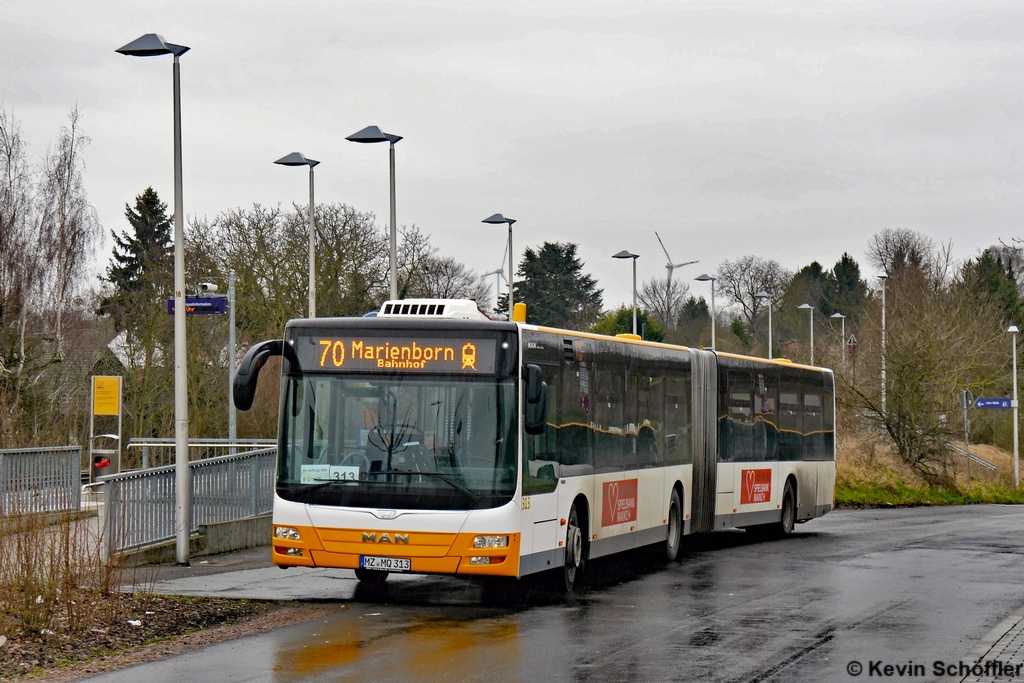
574, 550
675, 527
784, 527
371, 576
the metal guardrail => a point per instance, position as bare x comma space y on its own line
159, 451
39, 480
139, 505
959, 450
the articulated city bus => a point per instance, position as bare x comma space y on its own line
430, 439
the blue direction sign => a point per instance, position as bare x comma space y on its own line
198, 305
994, 403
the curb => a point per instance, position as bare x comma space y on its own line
985, 645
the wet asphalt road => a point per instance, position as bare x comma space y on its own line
901, 585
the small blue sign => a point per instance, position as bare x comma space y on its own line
200, 305
994, 403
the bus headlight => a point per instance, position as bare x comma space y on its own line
490, 542
289, 533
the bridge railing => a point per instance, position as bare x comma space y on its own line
139, 505
150, 452
40, 480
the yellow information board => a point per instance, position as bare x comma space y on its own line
106, 395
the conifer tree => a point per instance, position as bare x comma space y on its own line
141, 257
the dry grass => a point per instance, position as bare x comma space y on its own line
869, 473
53, 575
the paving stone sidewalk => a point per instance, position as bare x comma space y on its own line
997, 658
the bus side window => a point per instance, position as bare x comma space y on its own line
814, 439
739, 424
650, 417
766, 409
573, 432
540, 457
678, 445
829, 421
790, 443
607, 379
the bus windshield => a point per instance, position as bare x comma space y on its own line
398, 442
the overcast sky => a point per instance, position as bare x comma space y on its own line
791, 130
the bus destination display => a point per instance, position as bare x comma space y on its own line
397, 354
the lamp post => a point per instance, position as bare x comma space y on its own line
883, 277
374, 134
765, 295
842, 335
810, 309
624, 255
498, 219
296, 159
232, 358
707, 278
152, 45
1016, 411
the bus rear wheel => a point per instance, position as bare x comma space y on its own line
785, 525
574, 550
371, 576
675, 527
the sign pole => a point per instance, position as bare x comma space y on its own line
967, 451
1016, 415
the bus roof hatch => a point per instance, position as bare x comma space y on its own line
458, 309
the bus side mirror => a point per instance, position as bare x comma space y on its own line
536, 400
244, 388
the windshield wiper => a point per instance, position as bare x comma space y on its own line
327, 482
439, 475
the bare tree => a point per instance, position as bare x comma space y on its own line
664, 299
68, 225
742, 279
19, 261
442, 277
938, 342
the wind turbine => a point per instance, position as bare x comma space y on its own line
499, 276
671, 266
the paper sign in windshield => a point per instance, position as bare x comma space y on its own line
619, 502
318, 474
756, 487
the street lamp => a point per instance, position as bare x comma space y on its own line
623, 255
1016, 410
883, 277
296, 159
498, 219
765, 295
810, 309
707, 278
374, 134
842, 335
152, 45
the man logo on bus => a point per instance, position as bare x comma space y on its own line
469, 356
